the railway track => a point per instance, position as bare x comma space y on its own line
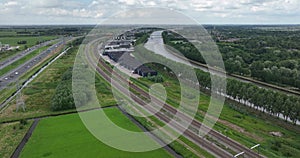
218, 152
229, 142
196, 124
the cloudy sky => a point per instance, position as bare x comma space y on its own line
204, 11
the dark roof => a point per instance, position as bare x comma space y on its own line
145, 69
128, 61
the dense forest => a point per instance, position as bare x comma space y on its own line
269, 54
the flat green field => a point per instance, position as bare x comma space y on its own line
66, 136
12, 41
31, 40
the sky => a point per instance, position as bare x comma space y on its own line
39, 12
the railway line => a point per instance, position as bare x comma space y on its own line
218, 152
188, 133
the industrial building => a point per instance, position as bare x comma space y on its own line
145, 71
119, 50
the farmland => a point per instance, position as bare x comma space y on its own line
66, 136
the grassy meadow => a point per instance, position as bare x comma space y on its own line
66, 136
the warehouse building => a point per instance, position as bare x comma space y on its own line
145, 71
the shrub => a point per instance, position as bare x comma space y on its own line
23, 122
156, 79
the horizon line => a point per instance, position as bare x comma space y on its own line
91, 24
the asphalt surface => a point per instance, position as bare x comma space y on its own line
14, 74
25, 83
18, 56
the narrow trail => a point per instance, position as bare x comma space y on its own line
25, 139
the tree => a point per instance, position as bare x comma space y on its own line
287, 108
63, 97
294, 113
278, 102
270, 100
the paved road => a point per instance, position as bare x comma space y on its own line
18, 56
29, 80
14, 74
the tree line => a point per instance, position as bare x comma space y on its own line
270, 101
269, 56
267, 100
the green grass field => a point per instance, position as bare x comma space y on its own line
5, 33
11, 135
12, 41
66, 136
31, 40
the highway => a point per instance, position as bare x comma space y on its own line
217, 151
14, 74
5, 103
20, 55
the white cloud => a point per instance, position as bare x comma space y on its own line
46, 3
95, 9
129, 2
10, 4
